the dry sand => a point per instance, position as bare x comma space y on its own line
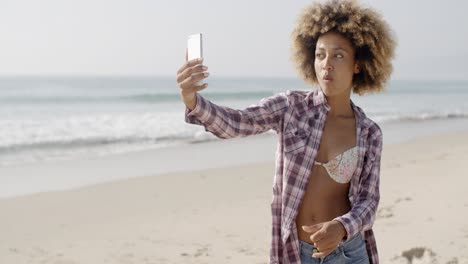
222, 215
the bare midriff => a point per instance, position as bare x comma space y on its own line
323, 200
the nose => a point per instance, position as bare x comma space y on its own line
327, 64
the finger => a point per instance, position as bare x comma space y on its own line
323, 253
325, 244
193, 79
188, 83
198, 88
318, 236
312, 229
189, 64
189, 71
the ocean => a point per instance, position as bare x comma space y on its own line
56, 118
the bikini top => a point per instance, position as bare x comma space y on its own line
342, 167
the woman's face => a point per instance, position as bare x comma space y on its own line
335, 64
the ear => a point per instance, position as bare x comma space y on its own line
357, 68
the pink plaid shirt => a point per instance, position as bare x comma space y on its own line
298, 117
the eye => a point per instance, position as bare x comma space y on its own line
339, 56
319, 55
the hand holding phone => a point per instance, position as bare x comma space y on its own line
191, 75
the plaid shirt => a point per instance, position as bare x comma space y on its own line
298, 117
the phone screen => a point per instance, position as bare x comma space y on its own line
194, 46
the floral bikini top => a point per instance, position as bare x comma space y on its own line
342, 167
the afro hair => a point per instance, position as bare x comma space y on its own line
370, 35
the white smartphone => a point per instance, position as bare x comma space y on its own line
195, 49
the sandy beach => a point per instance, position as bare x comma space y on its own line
222, 214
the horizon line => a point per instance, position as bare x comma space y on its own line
9, 76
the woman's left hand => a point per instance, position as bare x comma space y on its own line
326, 236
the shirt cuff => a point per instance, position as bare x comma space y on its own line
200, 113
346, 227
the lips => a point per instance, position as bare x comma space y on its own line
327, 78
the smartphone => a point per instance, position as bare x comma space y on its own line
195, 49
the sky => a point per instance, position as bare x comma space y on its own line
241, 38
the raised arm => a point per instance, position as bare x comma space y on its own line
225, 122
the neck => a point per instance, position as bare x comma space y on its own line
340, 106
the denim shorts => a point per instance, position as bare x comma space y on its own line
352, 251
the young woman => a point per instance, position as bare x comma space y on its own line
326, 187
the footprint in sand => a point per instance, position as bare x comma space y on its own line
387, 211
406, 199
453, 261
127, 257
36, 252
40, 255
14, 250
202, 252
417, 255
245, 251
151, 240
394, 165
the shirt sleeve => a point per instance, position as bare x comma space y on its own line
362, 214
225, 122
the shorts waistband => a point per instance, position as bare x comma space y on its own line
309, 247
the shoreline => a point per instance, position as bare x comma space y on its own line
75, 173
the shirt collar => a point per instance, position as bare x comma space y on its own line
318, 98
